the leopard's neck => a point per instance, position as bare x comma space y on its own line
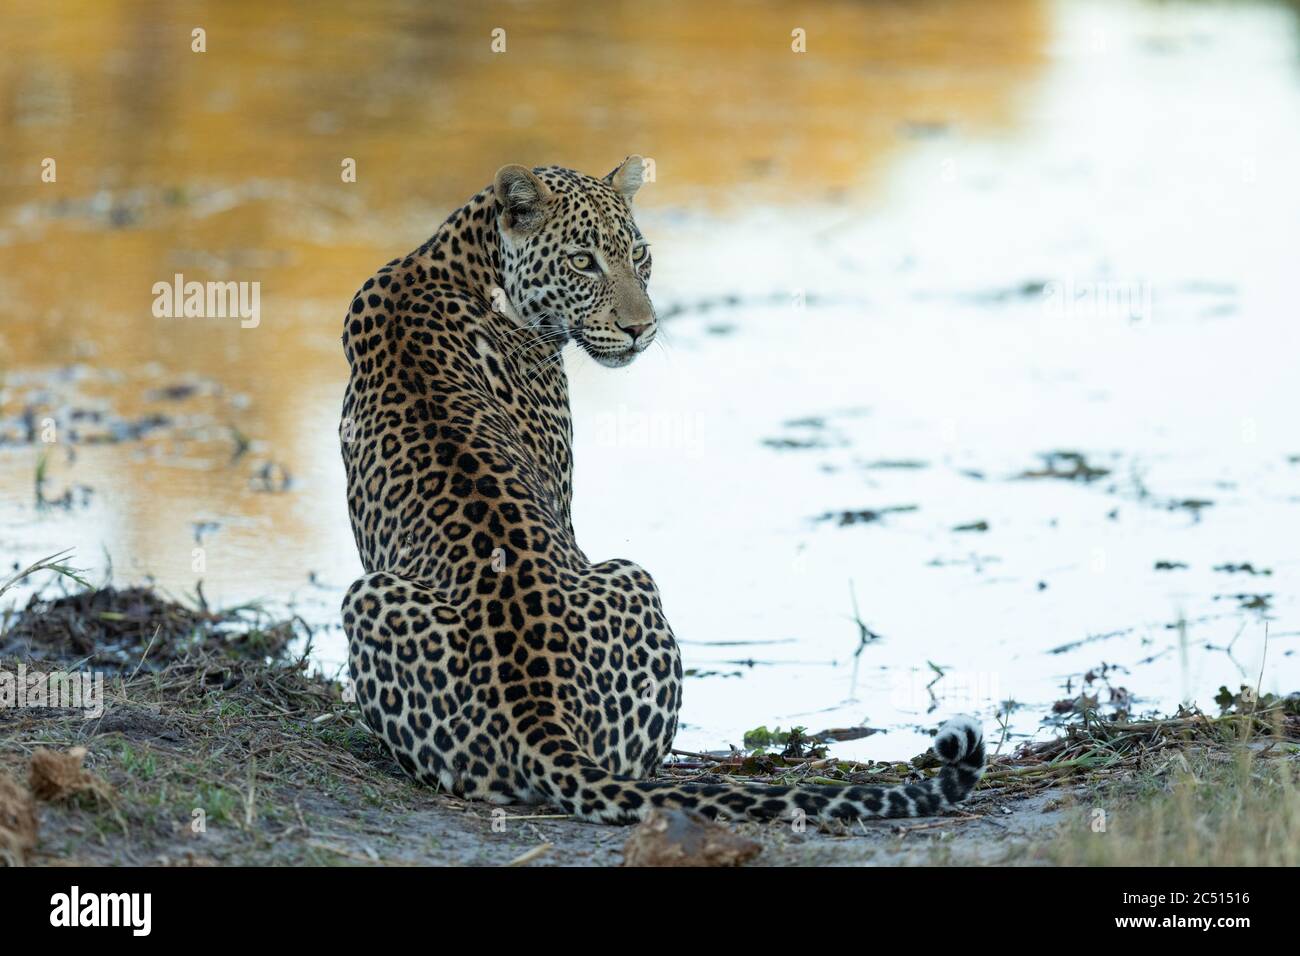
465, 253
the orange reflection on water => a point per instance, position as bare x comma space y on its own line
225, 165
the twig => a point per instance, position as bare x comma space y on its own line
145, 654
526, 858
903, 831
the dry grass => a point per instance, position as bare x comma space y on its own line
210, 727
1215, 809
243, 741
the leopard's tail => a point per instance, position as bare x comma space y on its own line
592, 793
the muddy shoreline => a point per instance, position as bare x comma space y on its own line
211, 744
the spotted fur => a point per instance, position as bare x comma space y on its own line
487, 651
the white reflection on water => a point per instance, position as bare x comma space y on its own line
1113, 276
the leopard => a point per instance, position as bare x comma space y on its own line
488, 653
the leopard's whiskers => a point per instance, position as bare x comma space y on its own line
551, 335
545, 363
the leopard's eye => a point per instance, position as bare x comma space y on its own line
582, 262
640, 252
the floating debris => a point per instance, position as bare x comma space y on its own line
897, 464
1090, 639
797, 742
1066, 466
925, 129
1246, 568
973, 526
976, 561
1248, 602
814, 431
174, 393
1077, 705
272, 478
797, 444
863, 516
841, 734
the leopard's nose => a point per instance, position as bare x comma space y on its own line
636, 330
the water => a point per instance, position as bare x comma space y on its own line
955, 245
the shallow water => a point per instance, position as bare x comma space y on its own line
901, 268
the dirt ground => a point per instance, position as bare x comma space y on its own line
398, 823
212, 744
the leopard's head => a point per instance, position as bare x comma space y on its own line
573, 262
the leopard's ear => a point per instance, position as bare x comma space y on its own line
627, 179
523, 198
